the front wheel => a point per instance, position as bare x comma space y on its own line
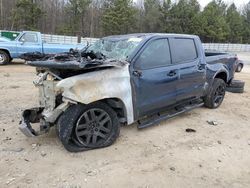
85, 127
4, 58
216, 94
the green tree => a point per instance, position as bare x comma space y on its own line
216, 28
26, 15
76, 9
235, 22
119, 17
246, 24
166, 24
152, 21
184, 17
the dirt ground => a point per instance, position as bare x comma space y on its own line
161, 156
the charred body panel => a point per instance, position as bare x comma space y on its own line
99, 85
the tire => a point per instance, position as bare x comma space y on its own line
86, 127
237, 84
239, 68
235, 90
216, 94
4, 58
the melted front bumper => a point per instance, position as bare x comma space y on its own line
29, 117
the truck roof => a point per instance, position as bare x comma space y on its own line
148, 35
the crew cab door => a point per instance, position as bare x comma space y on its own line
191, 69
29, 42
154, 78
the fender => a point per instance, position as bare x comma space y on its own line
223, 70
215, 69
6, 50
98, 85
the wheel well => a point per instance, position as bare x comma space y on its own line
118, 106
222, 75
6, 52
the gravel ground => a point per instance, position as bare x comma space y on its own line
161, 156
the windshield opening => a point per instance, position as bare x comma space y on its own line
115, 49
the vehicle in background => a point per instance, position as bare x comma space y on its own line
239, 66
212, 55
28, 42
120, 80
4, 39
12, 35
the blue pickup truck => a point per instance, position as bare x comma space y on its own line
29, 41
121, 80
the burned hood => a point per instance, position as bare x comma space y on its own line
73, 60
76, 65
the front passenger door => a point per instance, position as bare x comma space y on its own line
154, 79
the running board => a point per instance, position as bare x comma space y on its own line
153, 120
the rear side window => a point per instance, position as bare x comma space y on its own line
156, 54
183, 50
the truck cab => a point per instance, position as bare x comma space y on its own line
27, 42
172, 68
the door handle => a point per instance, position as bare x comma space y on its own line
171, 73
137, 73
201, 67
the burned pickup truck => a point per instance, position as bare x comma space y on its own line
121, 80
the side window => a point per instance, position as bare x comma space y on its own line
29, 37
183, 50
156, 54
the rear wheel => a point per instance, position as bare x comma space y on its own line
4, 58
216, 94
84, 127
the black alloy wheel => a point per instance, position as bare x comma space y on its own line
93, 128
219, 95
216, 94
85, 127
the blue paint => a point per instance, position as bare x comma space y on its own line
18, 47
154, 90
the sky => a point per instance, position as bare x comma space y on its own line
238, 3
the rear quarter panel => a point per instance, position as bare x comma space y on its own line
221, 63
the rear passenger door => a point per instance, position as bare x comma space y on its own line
192, 73
154, 79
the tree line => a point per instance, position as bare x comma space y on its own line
217, 22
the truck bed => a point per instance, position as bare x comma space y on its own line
214, 57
